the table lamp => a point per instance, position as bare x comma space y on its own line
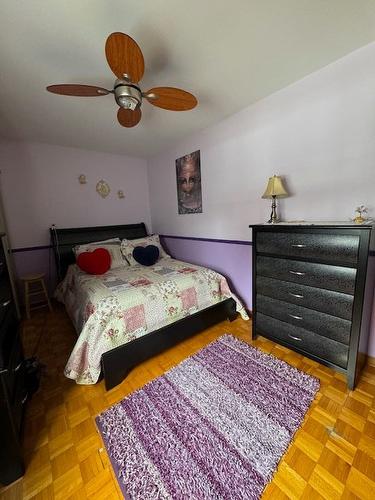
275, 189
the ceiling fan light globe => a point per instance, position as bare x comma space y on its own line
128, 96
128, 102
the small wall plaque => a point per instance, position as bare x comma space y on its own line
102, 188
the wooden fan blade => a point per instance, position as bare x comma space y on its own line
124, 56
128, 118
171, 98
77, 90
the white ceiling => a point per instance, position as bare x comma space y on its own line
228, 53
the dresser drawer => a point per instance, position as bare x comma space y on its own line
6, 303
326, 301
8, 335
337, 278
10, 374
19, 398
3, 264
320, 323
325, 247
303, 340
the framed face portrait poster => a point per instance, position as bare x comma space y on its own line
189, 189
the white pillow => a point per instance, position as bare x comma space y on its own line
113, 246
127, 247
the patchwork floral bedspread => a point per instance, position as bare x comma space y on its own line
128, 302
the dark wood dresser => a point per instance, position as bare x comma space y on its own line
12, 381
312, 291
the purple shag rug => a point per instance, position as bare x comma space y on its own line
213, 427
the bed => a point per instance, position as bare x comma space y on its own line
131, 313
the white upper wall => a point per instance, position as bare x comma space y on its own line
318, 133
40, 187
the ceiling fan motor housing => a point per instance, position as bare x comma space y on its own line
127, 95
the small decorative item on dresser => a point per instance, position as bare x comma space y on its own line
103, 188
359, 212
275, 189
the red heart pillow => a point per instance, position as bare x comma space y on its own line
96, 262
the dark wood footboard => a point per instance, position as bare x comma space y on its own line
117, 363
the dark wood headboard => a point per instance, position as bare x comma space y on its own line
63, 240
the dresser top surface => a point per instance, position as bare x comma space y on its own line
318, 224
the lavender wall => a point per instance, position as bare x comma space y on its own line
231, 259
40, 187
318, 133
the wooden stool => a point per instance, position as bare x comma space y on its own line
34, 285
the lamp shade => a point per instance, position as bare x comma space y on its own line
275, 187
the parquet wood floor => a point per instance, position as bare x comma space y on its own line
332, 455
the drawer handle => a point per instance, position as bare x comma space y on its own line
17, 367
295, 317
6, 303
24, 399
298, 273
297, 295
298, 245
294, 338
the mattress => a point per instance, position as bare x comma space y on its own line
130, 301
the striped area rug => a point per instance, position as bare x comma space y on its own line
213, 427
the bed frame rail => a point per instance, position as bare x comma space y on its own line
118, 362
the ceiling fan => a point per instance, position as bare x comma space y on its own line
125, 59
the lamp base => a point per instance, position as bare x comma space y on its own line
273, 218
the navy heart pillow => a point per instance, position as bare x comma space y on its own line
147, 256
